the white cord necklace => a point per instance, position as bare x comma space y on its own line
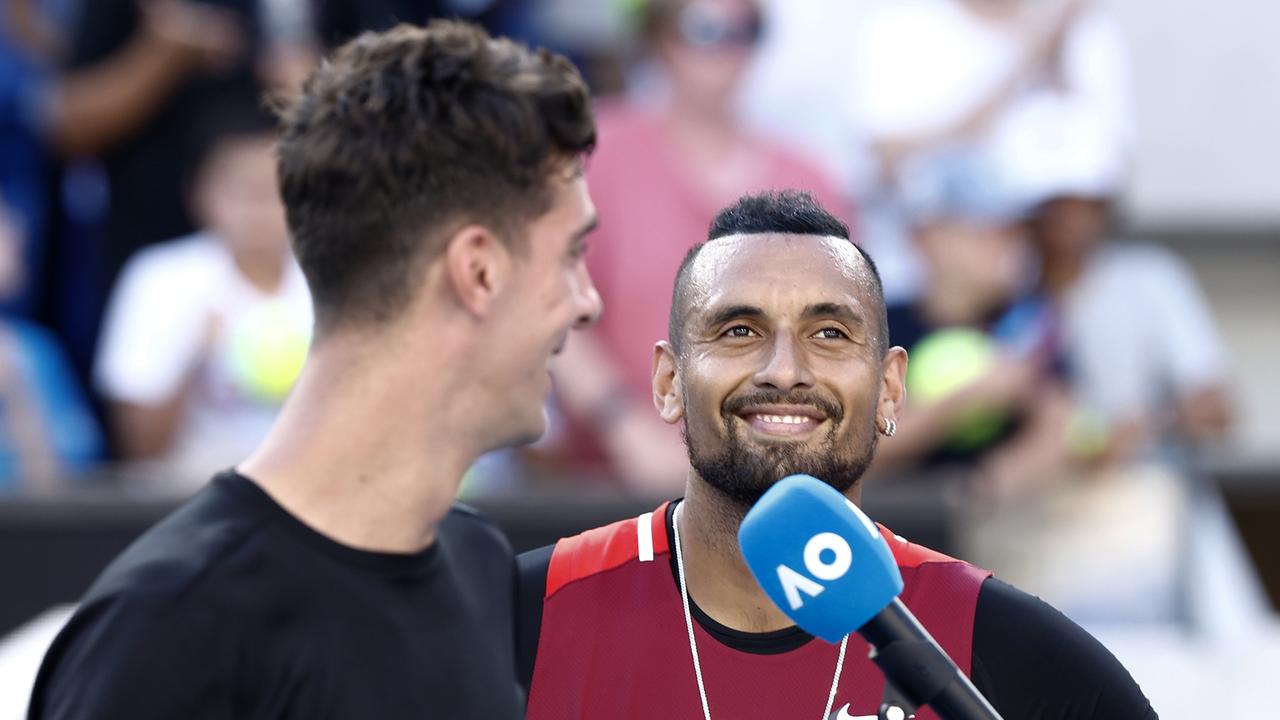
693, 646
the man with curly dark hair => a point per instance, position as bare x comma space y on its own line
433, 184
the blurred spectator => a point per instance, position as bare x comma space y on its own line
892, 82
806, 61
666, 162
340, 20
46, 428
940, 75
142, 74
28, 45
985, 381
1146, 354
204, 334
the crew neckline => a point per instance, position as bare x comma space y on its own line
391, 564
771, 642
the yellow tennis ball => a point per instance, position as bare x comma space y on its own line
944, 362
268, 348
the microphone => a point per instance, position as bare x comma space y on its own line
827, 567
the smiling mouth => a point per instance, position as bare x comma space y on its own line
782, 422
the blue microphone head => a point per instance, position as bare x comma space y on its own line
818, 557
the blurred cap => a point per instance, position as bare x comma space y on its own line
1050, 146
959, 184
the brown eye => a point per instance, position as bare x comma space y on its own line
738, 331
832, 334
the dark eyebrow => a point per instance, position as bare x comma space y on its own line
838, 311
733, 312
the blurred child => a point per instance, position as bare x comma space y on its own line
986, 379
205, 334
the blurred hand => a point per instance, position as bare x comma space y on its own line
213, 38
285, 66
1204, 415
1008, 384
647, 452
1036, 457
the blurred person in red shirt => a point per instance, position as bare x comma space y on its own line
668, 159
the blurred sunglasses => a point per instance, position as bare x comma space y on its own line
701, 27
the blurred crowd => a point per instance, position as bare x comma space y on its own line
153, 317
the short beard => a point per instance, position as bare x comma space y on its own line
744, 474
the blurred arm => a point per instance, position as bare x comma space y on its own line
925, 426
641, 446
99, 105
1043, 41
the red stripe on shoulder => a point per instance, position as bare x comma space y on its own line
603, 548
910, 555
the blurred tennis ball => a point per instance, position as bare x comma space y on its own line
946, 361
268, 348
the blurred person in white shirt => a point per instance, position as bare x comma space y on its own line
204, 334
894, 83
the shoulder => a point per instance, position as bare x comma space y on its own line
478, 551
1143, 263
188, 251
1027, 655
140, 632
544, 571
175, 262
604, 548
181, 553
465, 521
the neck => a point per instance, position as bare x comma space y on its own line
716, 575
1061, 273
351, 456
263, 270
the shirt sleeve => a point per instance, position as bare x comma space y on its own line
1192, 347
531, 587
132, 657
151, 334
1029, 660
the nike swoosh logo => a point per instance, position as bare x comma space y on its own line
844, 715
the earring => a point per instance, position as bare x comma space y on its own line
890, 427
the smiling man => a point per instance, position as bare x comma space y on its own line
434, 190
777, 362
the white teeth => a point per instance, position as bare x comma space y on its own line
784, 419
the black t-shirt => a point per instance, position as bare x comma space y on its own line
1029, 660
233, 608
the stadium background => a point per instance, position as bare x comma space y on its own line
1200, 179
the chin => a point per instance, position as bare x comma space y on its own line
531, 430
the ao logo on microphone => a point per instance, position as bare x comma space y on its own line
827, 556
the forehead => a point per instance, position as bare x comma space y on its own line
777, 272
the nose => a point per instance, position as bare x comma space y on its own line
587, 298
785, 365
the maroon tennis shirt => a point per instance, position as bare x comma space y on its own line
613, 641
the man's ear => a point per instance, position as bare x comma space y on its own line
476, 267
893, 384
667, 395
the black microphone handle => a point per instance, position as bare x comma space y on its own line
912, 660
